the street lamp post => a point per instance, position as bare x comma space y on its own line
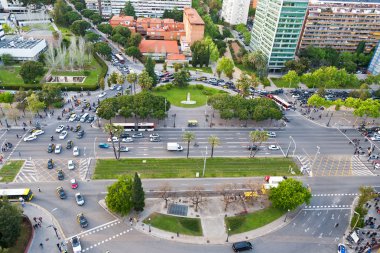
204, 163
328, 123
174, 115
286, 216
228, 234
149, 225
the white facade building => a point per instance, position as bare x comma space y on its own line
235, 11
143, 8
22, 49
1, 32
374, 66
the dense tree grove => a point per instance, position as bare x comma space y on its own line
128, 10
257, 109
30, 70
201, 54
175, 14
10, 224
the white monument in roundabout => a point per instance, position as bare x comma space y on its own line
188, 101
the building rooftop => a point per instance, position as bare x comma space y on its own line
118, 18
159, 46
348, 1
193, 16
176, 57
19, 43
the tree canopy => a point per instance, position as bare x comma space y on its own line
119, 196
175, 14
10, 224
226, 66
289, 194
149, 68
138, 195
181, 79
128, 10
30, 70
201, 54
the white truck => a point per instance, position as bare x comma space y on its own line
174, 146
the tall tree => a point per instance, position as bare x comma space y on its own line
149, 67
145, 81
79, 27
119, 196
105, 28
257, 137
292, 78
245, 82
59, 12
128, 10
226, 66
132, 79
114, 131
34, 104
134, 52
188, 137
108, 109
30, 70
138, 195
10, 224
181, 79
213, 141
289, 194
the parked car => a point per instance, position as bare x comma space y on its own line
77, 248
63, 135
103, 94
50, 148
76, 151
60, 192
60, 175
50, 164
58, 149
70, 165
80, 134
60, 128
81, 219
69, 144
79, 199
242, 246
73, 183
103, 145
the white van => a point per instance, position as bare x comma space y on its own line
84, 117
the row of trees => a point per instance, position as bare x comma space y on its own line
313, 57
237, 107
362, 108
242, 28
126, 194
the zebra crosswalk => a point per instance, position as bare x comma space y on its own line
83, 167
28, 173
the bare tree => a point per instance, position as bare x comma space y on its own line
227, 191
51, 59
73, 52
13, 114
166, 192
196, 195
254, 187
81, 53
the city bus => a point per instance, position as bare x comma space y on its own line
279, 101
15, 194
119, 58
134, 127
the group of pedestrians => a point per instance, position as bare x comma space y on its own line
38, 222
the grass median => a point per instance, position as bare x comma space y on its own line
243, 223
10, 170
182, 225
187, 168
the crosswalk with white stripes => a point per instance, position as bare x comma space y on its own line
28, 173
83, 167
360, 168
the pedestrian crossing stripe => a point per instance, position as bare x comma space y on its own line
334, 194
331, 206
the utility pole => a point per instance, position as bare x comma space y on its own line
204, 163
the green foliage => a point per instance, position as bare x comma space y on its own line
226, 66
199, 86
214, 52
108, 108
181, 79
149, 68
245, 82
251, 12
256, 61
10, 223
6, 97
7, 59
175, 224
291, 77
175, 14
91, 36
227, 33
289, 194
72, 16
30, 70
96, 18
138, 195
201, 54
105, 28
128, 10
87, 13
79, 27
103, 65
134, 52
50, 94
188, 137
102, 48
79, 6
145, 81
366, 194
59, 13
119, 196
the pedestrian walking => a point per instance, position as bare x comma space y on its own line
39, 224
40, 219
17, 136
35, 219
39, 189
59, 247
19, 154
41, 245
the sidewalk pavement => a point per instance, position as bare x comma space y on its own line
49, 233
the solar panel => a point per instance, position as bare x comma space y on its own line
176, 209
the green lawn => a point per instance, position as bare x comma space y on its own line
187, 168
204, 69
176, 95
23, 240
66, 33
10, 75
10, 170
182, 225
245, 69
282, 84
243, 223
94, 69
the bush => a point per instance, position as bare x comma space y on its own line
103, 65
169, 86
86, 72
199, 86
265, 81
207, 92
59, 104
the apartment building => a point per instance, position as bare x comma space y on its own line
235, 11
341, 24
374, 66
151, 28
276, 30
143, 8
12, 6
193, 24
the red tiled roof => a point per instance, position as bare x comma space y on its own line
193, 16
159, 46
176, 57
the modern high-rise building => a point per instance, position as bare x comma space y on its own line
143, 8
374, 66
235, 11
341, 24
276, 30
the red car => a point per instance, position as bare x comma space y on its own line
74, 183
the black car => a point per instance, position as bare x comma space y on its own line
50, 148
124, 135
50, 164
61, 193
252, 147
242, 246
285, 119
60, 175
90, 119
80, 134
69, 145
82, 220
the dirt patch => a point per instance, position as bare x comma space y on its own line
235, 46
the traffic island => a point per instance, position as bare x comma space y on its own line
10, 169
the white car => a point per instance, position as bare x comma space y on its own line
273, 147
73, 117
119, 88
112, 87
38, 132
71, 165
154, 135
138, 135
79, 199
58, 149
128, 139
77, 248
30, 138
114, 139
295, 96
62, 135
377, 166
103, 94
123, 149
375, 137
271, 134
76, 151
60, 128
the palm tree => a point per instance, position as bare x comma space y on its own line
114, 131
188, 136
213, 141
132, 79
257, 137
